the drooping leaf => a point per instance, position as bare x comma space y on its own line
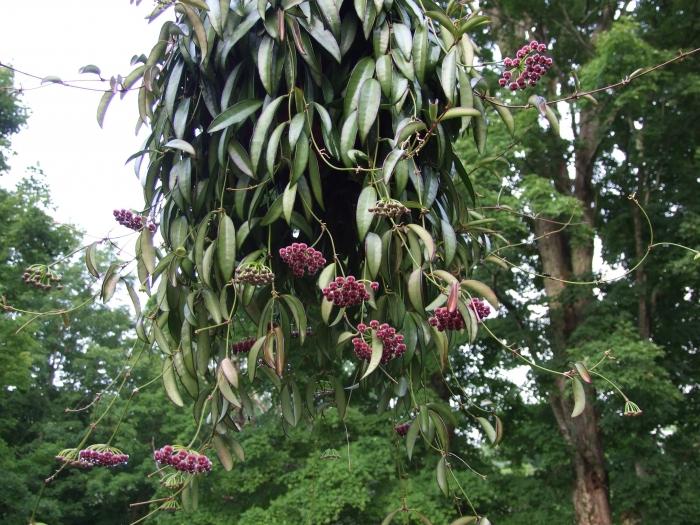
368, 106
366, 200
579, 397
234, 114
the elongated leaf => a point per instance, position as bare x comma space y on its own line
375, 359
403, 39
411, 438
226, 246
339, 397
182, 145
170, 384
409, 129
326, 276
373, 253
464, 520
579, 397
415, 289
199, 31
109, 283
234, 114
322, 36
366, 200
441, 475
262, 126
331, 12
506, 116
448, 74
288, 199
348, 135
299, 314
390, 163
460, 112
420, 52
368, 106
425, 237
481, 289
449, 238
229, 371
390, 517
488, 428
583, 372
385, 73
443, 20
91, 259
363, 70
222, 453
103, 105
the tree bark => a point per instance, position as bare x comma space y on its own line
564, 259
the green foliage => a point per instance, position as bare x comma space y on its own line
12, 115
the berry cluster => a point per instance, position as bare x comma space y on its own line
392, 343
102, 456
42, 277
302, 258
446, 320
528, 66
256, 274
133, 221
402, 428
182, 459
347, 291
243, 346
480, 308
391, 208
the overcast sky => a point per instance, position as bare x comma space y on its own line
83, 163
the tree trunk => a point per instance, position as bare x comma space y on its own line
563, 259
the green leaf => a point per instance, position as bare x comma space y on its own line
331, 12
229, 371
409, 129
266, 63
103, 105
390, 163
182, 145
299, 314
488, 428
449, 238
361, 72
481, 289
464, 520
253, 356
553, 120
109, 283
579, 397
373, 253
324, 37
170, 384
272, 146
222, 453
239, 157
326, 276
234, 114
506, 115
199, 31
385, 71
226, 246
448, 74
91, 259
441, 475
348, 135
425, 237
583, 372
376, 358
212, 305
260, 131
411, 437
415, 289
420, 52
287, 409
443, 20
459, 112
288, 199
403, 39
368, 106
366, 200
390, 517
340, 402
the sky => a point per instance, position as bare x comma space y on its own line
84, 164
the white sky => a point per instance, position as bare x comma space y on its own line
84, 164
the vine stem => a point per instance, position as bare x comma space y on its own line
578, 94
